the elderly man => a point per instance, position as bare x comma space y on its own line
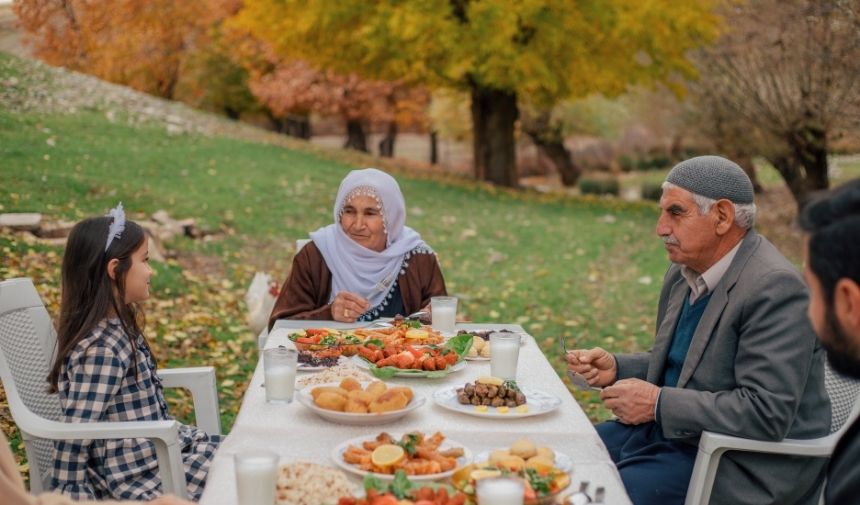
832, 271
734, 354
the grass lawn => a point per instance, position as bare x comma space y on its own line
586, 269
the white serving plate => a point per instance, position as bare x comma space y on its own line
538, 403
337, 457
352, 418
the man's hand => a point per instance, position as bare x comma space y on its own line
596, 365
633, 401
169, 500
347, 307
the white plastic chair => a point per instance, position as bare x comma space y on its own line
845, 408
27, 346
264, 334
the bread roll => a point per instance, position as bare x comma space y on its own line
389, 401
498, 455
539, 462
512, 463
317, 391
350, 384
524, 448
546, 452
330, 400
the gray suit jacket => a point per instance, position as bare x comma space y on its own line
754, 369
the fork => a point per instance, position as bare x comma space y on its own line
580, 497
577, 379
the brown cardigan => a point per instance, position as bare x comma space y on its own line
306, 291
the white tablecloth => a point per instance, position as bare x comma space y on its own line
297, 434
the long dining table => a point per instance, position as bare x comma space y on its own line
296, 433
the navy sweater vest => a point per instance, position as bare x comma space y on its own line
684, 330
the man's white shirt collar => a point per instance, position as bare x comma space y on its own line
702, 284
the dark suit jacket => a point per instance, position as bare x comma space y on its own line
843, 474
754, 369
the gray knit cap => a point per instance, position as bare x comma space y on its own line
713, 177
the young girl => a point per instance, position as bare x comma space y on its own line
105, 371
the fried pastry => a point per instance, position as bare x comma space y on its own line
350, 384
330, 400
389, 401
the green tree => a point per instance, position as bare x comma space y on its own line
496, 50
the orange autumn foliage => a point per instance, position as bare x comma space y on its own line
139, 43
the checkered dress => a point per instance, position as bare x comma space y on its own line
98, 383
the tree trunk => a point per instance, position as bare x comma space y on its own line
810, 148
563, 161
790, 171
746, 163
549, 140
386, 145
434, 147
293, 125
298, 126
494, 113
805, 169
355, 136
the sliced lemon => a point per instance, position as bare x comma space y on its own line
481, 408
418, 334
522, 409
502, 410
490, 381
484, 474
387, 455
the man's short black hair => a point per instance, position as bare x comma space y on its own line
833, 223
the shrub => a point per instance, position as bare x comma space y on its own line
599, 186
627, 163
652, 191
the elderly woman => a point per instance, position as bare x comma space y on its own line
367, 264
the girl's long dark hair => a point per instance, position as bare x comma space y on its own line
88, 292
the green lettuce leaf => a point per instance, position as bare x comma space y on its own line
460, 344
385, 372
400, 486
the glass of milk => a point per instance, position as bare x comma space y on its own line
256, 477
279, 365
444, 312
504, 353
500, 491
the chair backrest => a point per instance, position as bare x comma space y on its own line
300, 243
843, 392
28, 342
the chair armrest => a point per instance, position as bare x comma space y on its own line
200, 381
816, 447
39, 427
712, 446
163, 434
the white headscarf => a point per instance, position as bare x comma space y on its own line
355, 268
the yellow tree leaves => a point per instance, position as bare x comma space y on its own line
546, 49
